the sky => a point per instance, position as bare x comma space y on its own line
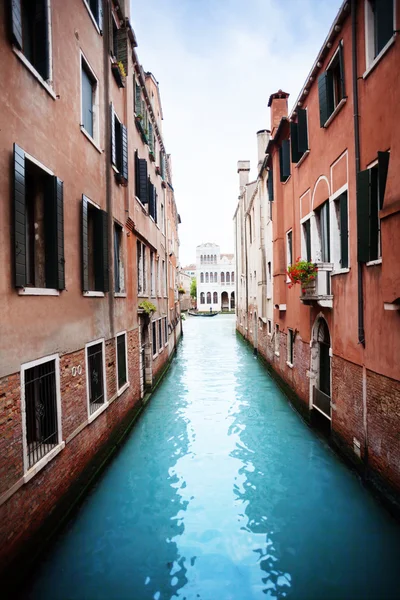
217, 62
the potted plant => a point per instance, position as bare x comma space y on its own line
181, 290
302, 272
119, 73
147, 307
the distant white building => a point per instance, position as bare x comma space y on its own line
190, 270
215, 274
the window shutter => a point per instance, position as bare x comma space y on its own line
101, 274
16, 22
113, 146
344, 232
99, 16
42, 42
151, 140
138, 99
307, 230
116, 261
296, 155
87, 102
143, 181
325, 97
302, 132
151, 198
284, 156
155, 206
383, 165
19, 217
384, 23
373, 214
137, 179
85, 245
341, 65
124, 150
54, 236
270, 185
122, 47
363, 202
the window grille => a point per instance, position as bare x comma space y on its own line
96, 380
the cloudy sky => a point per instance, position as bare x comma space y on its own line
217, 62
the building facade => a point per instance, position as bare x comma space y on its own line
89, 248
215, 279
327, 191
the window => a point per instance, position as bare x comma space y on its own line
250, 229
379, 21
96, 377
207, 278
215, 277
201, 277
31, 33
211, 277
202, 298
40, 386
162, 218
371, 185
228, 277
119, 147
95, 9
290, 346
141, 269
233, 277
306, 239
94, 248
342, 229
269, 327
201, 259
284, 160
269, 281
152, 275
331, 86
119, 49
299, 135
322, 222
38, 225
89, 101
152, 200
160, 341
208, 297
154, 337
270, 185
277, 339
165, 330
215, 298
289, 248
164, 279
222, 278
137, 99
141, 179
119, 275
122, 361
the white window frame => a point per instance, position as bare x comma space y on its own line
85, 2
289, 259
29, 473
127, 383
154, 324
371, 60
334, 234
276, 340
269, 322
93, 416
290, 339
166, 330
96, 104
142, 272
121, 274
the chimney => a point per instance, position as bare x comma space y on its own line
279, 108
262, 141
243, 168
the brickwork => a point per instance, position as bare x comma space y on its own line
11, 468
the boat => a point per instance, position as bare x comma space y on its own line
193, 313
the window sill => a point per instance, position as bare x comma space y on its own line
93, 294
289, 364
119, 294
91, 140
288, 179
340, 271
335, 112
155, 356
98, 413
373, 263
43, 462
302, 159
37, 75
122, 390
32, 291
378, 58
142, 295
92, 18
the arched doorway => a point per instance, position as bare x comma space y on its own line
320, 392
224, 301
233, 301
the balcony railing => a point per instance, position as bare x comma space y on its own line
319, 290
322, 402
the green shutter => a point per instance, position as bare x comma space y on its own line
85, 245
19, 217
101, 271
137, 179
124, 150
363, 202
296, 155
113, 145
284, 160
383, 165
341, 66
54, 234
373, 214
122, 47
325, 92
302, 130
344, 231
138, 99
16, 23
151, 139
270, 185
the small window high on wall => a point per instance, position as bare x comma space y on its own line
31, 33
331, 88
379, 19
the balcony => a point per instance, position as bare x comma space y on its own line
319, 291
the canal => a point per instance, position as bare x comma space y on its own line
221, 492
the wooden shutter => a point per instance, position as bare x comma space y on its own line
373, 214
124, 150
270, 185
122, 47
137, 178
384, 23
341, 66
383, 165
151, 198
284, 160
54, 234
113, 145
325, 97
16, 23
302, 131
41, 39
101, 274
143, 194
85, 245
138, 99
296, 155
19, 217
363, 202
344, 231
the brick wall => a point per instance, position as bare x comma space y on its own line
11, 468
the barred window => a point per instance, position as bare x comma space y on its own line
121, 360
96, 385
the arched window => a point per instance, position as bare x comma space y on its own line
201, 277
206, 277
208, 297
202, 299
222, 277
215, 258
211, 277
228, 277
233, 277
215, 277
215, 298
208, 258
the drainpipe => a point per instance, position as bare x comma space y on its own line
361, 333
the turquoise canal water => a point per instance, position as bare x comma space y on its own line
221, 492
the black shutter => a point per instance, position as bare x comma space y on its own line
341, 66
155, 206
294, 142
284, 159
124, 150
383, 22
383, 165
113, 146
122, 47
302, 133
151, 198
363, 202
85, 245
41, 40
101, 274
270, 185
373, 214
19, 217
137, 179
307, 231
143, 181
16, 22
325, 97
344, 231
54, 234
